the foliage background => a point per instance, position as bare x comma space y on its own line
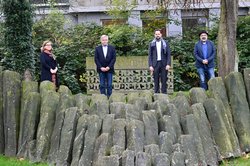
17, 29
72, 44
243, 42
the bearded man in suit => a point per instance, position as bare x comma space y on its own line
204, 54
159, 61
105, 57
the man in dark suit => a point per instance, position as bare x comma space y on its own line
159, 61
105, 57
204, 53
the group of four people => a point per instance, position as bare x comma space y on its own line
159, 61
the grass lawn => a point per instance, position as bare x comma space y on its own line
6, 161
242, 161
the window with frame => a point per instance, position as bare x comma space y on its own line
106, 22
151, 22
152, 25
194, 20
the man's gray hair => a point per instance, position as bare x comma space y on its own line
104, 36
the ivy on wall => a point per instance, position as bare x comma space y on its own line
243, 42
17, 35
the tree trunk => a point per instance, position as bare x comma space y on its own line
227, 52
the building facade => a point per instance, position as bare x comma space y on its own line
182, 17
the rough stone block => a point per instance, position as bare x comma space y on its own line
66, 101
161, 97
46, 87
165, 143
98, 98
49, 103
197, 95
118, 109
217, 90
182, 105
109, 160
64, 155
82, 103
107, 123
222, 138
30, 114
142, 159
152, 150
117, 150
27, 87
132, 112
128, 158
132, 97
191, 129
101, 147
93, 130
240, 109
11, 110
205, 132
64, 90
166, 124
99, 108
158, 108
141, 104
177, 147
171, 110
55, 138
118, 132
151, 127
78, 145
178, 159
162, 159
135, 135
148, 95
189, 149
117, 97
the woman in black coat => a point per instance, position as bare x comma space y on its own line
48, 64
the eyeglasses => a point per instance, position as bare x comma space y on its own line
48, 44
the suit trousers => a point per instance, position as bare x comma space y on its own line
160, 74
106, 79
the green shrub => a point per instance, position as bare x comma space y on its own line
2, 43
128, 40
70, 46
72, 55
243, 42
185, 75
17, 36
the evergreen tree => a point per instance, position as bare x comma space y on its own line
18, 35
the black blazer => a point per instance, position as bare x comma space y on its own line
198, 54
165, 54
47, 63
101, 61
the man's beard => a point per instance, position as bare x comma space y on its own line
158, 38
203, 39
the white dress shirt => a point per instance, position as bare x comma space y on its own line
158, 48
105, 50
